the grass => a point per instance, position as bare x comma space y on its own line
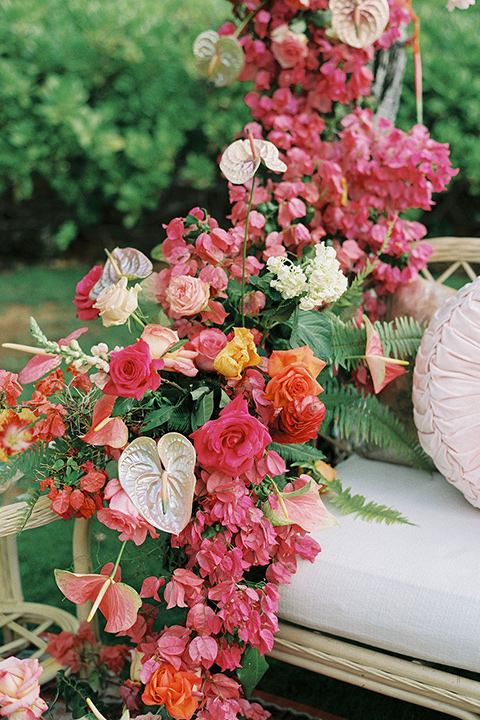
47, 294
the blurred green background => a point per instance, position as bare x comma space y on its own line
107, 130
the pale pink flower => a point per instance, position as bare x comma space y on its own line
288, 48
187, 295
19, 689
159, 339
208, 344
116, 303
122, 515
184, 585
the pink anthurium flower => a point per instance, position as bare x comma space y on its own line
41, 364
299, 504
119, 603
106, 430
382, 369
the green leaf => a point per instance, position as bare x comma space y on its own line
158, 417
254, 667
357, 504
122, 406
312, 328
204, 409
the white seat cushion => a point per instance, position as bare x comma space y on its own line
414, 590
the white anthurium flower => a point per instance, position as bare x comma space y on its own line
241, 159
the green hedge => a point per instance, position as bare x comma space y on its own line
101, 100
451, 90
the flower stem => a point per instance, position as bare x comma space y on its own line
245, 249
247, 19
117, 563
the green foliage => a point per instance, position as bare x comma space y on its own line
357, 504
364, 419
253, 668
301, 454
451, 86
312, 328
102, 100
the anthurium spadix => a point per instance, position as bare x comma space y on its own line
159, 479
119, 603
382, 369
299, 504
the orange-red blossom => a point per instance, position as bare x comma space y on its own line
293, 374
174, 689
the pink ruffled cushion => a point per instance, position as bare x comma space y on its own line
446, 391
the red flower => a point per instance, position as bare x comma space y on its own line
10, 386
133, 372
298, 421
83, 303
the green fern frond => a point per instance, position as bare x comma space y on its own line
179, 421
357, 504
401, 337
346, 306
301, 454
348, 343
364, 419
31, 499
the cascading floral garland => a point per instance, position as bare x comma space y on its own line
199, 434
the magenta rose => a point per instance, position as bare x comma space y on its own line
133, 371
19, 689
208, 344
298, 420
83, 303
233, 442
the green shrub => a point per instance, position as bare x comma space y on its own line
451, 98
100, 98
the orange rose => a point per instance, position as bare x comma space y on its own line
174, 689
293, 374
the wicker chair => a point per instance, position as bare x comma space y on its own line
22, 623
354, 650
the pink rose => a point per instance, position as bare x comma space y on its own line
233, 442
19, 689
133, 371
83, 303
208, 344
122, 515
288, 48
187, 295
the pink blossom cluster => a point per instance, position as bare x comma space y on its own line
349, 186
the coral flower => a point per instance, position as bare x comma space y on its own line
15, 434
118, 602
41, 364
174, 689
382, 369
105, 429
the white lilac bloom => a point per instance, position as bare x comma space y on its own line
290, 281
326, 281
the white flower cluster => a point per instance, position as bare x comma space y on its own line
291, 281
459, 4
320, 280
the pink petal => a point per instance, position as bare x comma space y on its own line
79, 588
383, 370
120, 607
40, 365
112, 431
308, 511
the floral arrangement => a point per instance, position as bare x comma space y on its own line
254, 350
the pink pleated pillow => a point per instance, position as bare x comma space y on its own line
446, 391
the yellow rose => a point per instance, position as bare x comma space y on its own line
238, 354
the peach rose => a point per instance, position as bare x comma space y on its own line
187, 295
116, 303
288, 48
19, 689
238, 354
174, 689
293, 374
159, 339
